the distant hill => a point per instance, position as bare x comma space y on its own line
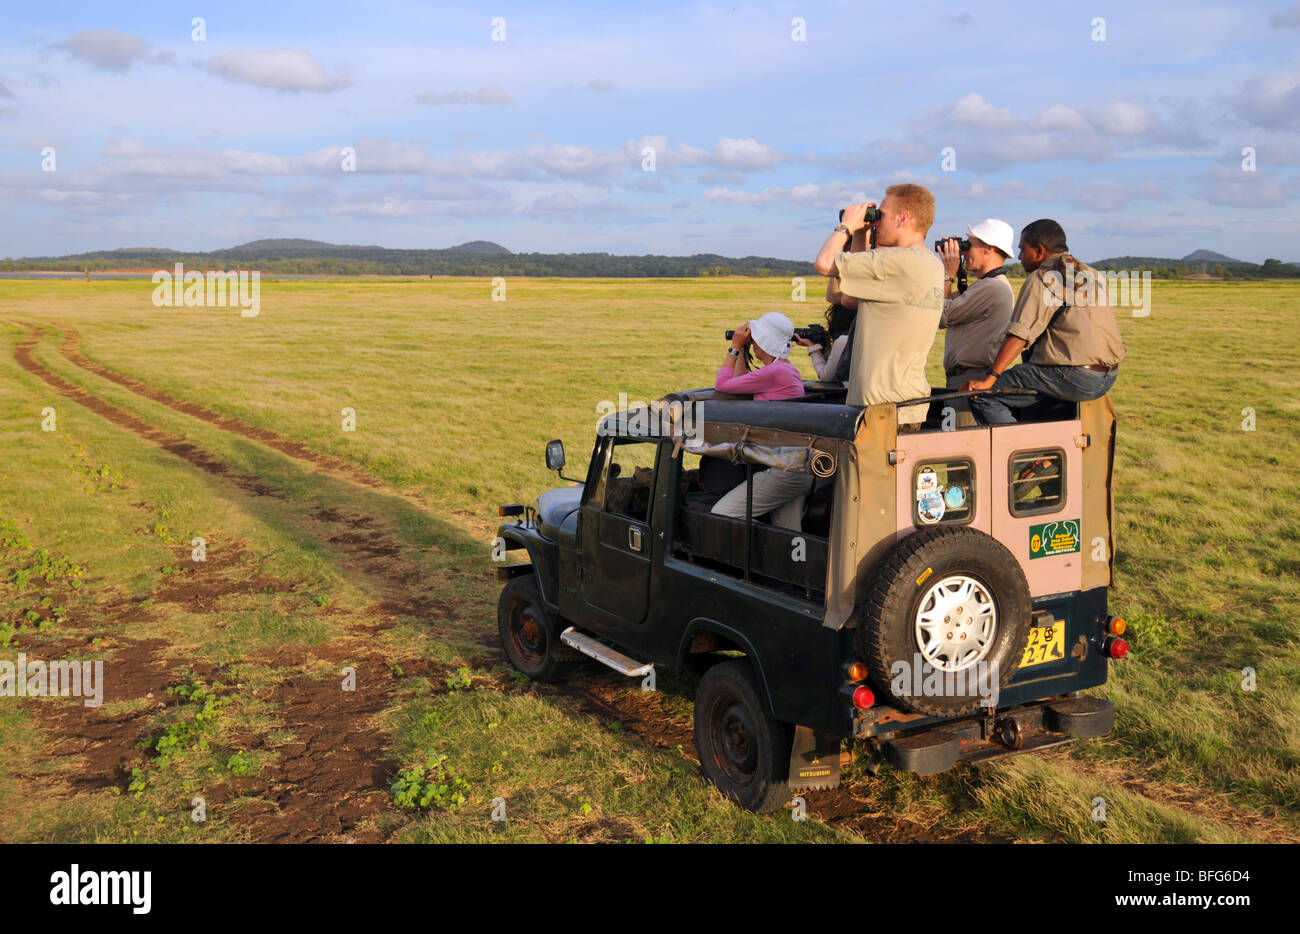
485, 258
475, 258
1209, 256
1203, 264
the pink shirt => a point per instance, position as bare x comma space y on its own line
778, 380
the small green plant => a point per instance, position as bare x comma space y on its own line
239, 763
188, 733
321, 600
432, 786
1151, 633
460, 680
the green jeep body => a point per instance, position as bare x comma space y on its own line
655, 576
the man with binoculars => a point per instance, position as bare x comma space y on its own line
899, 287
976, 319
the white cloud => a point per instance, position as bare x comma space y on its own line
1272, 101
282, 69
818, 196
974, 110
109, 49
1231, 187
1061, 117
1125, 119
566, 203
491, 96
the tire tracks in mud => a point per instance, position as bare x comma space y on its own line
338, 777
365, 540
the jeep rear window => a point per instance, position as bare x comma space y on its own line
944, 492
1037, 482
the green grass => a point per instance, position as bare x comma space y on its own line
455, 397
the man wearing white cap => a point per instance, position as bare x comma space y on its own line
779, 492
976, 319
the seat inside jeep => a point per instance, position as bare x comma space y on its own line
787, 559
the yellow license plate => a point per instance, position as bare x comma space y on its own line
1045, 645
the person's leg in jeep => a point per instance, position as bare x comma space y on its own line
1070, 383
780, 492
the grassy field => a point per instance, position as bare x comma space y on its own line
363, 556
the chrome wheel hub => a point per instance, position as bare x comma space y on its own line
956, 623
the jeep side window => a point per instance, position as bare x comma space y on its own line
629, 479
1037, 482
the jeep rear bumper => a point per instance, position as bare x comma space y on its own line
1038, 725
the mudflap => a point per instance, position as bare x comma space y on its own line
814, 760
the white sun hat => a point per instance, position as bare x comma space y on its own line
995, 233
772, 333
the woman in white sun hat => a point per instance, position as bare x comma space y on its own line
769, 338
779, 492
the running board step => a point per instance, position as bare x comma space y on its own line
604, 654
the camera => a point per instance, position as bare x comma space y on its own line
815, 333
872, 215
962, 245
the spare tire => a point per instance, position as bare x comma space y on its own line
946, 616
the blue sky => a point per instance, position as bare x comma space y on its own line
536, 142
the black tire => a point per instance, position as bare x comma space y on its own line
528, 634
742, 750
912, 573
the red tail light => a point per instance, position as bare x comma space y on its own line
862, 697
1116, 648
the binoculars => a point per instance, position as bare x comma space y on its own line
962, 245
872, 215
814, 332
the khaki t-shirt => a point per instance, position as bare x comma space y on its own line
977, 322
900, 299
1085, 333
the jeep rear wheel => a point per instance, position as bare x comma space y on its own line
946, 618
527, 634
742, 750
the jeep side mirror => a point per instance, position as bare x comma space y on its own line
555, 455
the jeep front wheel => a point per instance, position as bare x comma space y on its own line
527, 635
742, 750
946, 621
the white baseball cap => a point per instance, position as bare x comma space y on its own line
772, 333
995, 233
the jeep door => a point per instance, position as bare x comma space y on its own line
615, 533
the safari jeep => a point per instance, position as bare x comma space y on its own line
943, 601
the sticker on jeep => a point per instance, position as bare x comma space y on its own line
1053, 538
929, 497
